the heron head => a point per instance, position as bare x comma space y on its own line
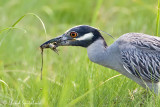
82, 35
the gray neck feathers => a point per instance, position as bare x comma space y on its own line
103, 55
97, 51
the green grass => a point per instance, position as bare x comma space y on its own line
69, 79
157, 23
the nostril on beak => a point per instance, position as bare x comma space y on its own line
55, 43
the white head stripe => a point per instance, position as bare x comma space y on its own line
87, 36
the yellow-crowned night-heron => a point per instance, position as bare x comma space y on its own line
134, 55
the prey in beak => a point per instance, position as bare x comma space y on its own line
52, 44
77, 36
63, 40
82, 35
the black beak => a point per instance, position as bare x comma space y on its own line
54, 41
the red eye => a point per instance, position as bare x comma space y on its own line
73, 34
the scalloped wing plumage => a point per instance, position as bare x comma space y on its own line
141, 55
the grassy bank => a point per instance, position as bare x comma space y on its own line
69, 79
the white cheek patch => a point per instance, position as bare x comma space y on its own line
87, 36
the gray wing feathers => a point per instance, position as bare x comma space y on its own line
142, 65
141, 56
144, 41
151, 44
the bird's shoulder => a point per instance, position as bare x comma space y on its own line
139, 41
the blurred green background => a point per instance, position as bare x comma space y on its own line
69, 79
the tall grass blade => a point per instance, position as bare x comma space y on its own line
157, 23
44, 99
4, 82
43, 25
95, 13
73, 102
15, 23
8, 28
18, 20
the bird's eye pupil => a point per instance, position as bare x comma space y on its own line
73, 34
